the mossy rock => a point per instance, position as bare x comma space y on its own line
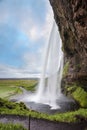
78, 93
80, 96
22, 106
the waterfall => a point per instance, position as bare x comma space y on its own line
49, 88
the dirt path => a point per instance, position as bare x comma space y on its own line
36, 124
39, 124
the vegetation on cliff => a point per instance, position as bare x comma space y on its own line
65, 69
78, 93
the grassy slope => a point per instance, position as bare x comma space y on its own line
10, 87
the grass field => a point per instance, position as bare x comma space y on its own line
10, 87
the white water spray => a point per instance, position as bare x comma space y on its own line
49, 88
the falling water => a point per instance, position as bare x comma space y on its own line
49, 88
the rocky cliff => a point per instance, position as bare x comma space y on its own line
71, 18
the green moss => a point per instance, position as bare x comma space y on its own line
78, 93
71, 88
80, 96
65, 69
11, 126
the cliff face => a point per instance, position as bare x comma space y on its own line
71, 18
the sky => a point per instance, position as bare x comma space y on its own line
25, 27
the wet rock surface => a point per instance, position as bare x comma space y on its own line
65, 104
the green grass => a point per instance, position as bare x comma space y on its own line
7, 107
6, 91
11, 87
11, 127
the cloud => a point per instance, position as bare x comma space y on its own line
35, 32
33, 61
23, 17
13, 72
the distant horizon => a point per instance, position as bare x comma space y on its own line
19, 78
32, 76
